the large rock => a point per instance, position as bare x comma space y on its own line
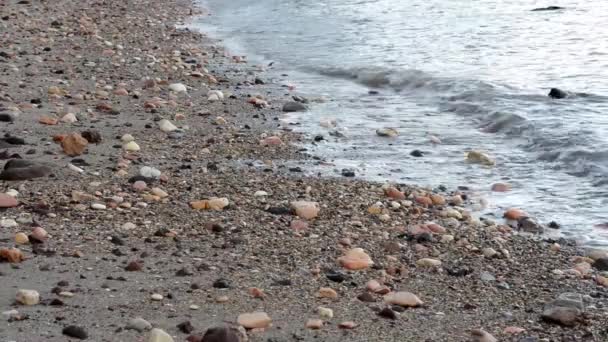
565, 310
601, 264
562, 315
294, 107
7, 201
28, 297
220, 334
19, 169
529, 225
157, 335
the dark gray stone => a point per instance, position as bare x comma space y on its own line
294, 107
20, 169
601, 264
220, 334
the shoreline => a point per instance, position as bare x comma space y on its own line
125, 243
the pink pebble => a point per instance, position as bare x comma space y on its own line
139, 186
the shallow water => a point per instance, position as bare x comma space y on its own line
475, 74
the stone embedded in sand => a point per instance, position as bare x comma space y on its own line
98, 206
326, 292
513, 330
28, 297
255, 320
21, 239
178, 88
159, 192
394, 193
75, 332
131, 146
387, 132
158, 335
215, 95
298, 225
355, 259
479, 158
220, 334
92, 136
7, 201
213, 203
314, 324
326, 313
406, 299
121, 92
435, 228
566, 316
271, 141
74, 144
515, 214
306, 209
428, 262
39, 234
156, 297
166, 126
47, 120
501, 187
483, 336
256, 292
139, 324
347, 325
373, 285
139, 186
69, 118
12, 255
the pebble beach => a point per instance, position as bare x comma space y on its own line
149, 194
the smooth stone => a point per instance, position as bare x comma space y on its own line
406, 299
255, 320
19, 169
561, 315
483, 336
325, 312
529, 225
158, 335
178, 88
127, 138
8, 223
487, 276
479, 158
149, 172
220, 334
21, 239
326, 292
131, 146
98, 206
293, 106
314, 324
7, 201
28, 297
306, 209
156, 297
428, 262
166, 126
139, 324
355, 259
75, 332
